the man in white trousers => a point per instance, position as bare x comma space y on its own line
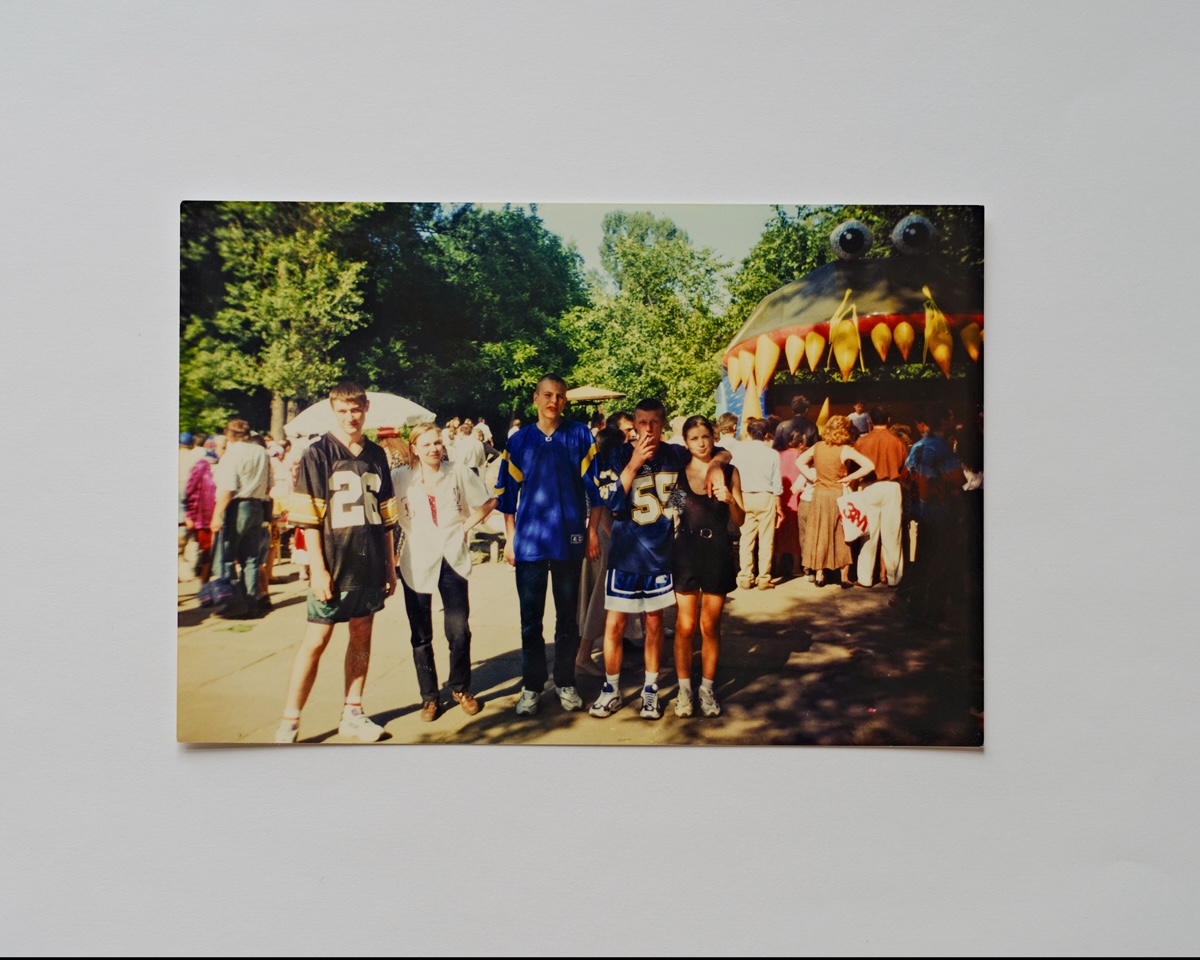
882, 500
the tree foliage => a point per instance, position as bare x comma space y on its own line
462, 309
661, 332
457, 310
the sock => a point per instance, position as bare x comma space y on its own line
651, 678
685, 686
611, 680
351, 707
706, 684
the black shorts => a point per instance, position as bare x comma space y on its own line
344, 607
703, 560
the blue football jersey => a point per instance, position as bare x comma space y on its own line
643, 528
549, 483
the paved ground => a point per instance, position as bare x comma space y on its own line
799, 665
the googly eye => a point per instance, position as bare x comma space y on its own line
851, 239
913, 234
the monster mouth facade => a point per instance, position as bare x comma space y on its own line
918, 298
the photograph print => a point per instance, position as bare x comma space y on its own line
580, 474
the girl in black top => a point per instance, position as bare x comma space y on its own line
703, 567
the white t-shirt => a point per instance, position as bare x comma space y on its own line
469, 452
424, 544
244, 471
758, 463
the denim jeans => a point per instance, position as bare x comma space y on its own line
419, 607
245, 540
531, 593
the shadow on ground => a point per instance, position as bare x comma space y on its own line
845, 671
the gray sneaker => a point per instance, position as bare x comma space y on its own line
683, 704
569, 699
360, 727
708, 703
528, 704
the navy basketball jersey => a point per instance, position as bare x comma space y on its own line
643, 528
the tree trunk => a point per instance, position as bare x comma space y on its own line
276, 415
293, 410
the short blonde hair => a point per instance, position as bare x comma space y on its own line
837, 431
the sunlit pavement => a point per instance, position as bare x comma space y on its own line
799, 665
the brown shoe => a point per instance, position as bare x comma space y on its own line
766, 585
429, 711
470, 706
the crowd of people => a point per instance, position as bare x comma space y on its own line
618, 522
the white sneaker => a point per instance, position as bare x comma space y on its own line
360, 726
569, 699
651, 709
708, 703
608, 703
683, 704
528, 704
287, 731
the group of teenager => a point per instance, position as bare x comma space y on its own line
650, 520
553, 491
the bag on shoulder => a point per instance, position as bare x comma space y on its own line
854, 519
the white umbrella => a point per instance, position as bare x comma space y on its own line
385, 410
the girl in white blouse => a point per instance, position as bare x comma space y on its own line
439, 503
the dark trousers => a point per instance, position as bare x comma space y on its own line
531, 593
419, 607
939, 566
244, 543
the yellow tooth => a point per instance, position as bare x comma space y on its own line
814, 346
793, 349
734, 369
766, 356
746, 370
751, 407
935, 327
941, 345
904, 336
823, 416
844, 344
972, 338
881, 336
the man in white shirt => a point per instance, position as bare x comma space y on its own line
242, 512
468, 451
762, 484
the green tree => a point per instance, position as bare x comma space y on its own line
661, 332
289, 301
464, 305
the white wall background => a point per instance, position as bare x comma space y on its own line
1073, 831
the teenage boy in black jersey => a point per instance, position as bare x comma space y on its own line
343, 498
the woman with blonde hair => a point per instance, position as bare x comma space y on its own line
824, 466
438, 504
